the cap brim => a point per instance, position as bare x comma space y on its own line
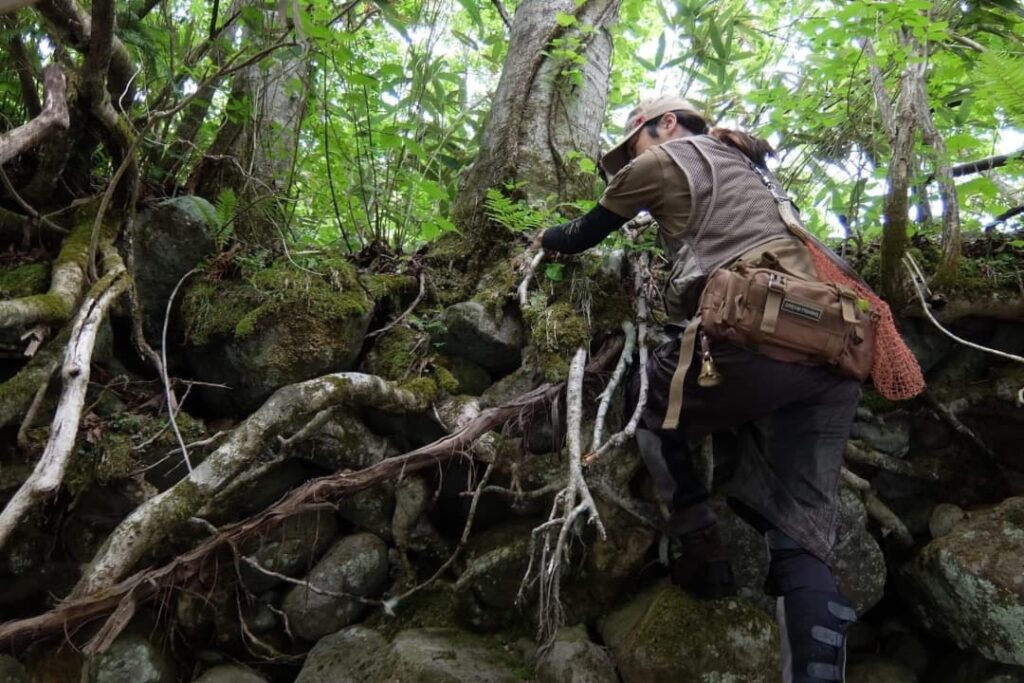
618, 156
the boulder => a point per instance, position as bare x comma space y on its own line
345, 442
436, 655
355, 567
976, 669
273, 325
573, 658
290, 548
170, 238
448, 655
968, 585
471, 332
132, 658
875, 669
473, 379
858, 563
496, 561
353, 655
665, 635
11, 670
231, 673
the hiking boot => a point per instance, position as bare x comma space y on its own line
699, 564
812, 626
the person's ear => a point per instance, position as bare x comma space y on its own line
668, 122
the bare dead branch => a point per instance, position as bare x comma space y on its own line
860, 453
53, 117
879, 511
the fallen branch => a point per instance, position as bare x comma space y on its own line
82, 607
859, 453
49, 471
879, 511
53, 117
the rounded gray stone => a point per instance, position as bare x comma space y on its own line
355, 567
131, 658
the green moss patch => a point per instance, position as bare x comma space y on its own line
327, 289
108, 448
24, 280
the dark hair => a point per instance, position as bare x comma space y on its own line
755, 149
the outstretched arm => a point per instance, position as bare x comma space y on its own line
582, 233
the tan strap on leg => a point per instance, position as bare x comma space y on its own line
675, 390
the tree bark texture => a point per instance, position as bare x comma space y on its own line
546, 107
253, 155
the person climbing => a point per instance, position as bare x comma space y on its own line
716, 205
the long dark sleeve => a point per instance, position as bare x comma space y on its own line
584, 232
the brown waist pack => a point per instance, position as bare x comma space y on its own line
789, 318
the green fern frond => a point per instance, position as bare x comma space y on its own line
1003, 76
516, 215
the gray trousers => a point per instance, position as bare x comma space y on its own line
789, 422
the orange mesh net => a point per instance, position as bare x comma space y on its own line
895, 371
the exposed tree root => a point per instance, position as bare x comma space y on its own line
570, 505
53, 117
67, 286
150, 523
83, 608
49, 471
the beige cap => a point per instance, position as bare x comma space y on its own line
618, 156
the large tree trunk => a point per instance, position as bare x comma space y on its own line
547, 110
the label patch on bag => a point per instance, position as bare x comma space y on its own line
801, 309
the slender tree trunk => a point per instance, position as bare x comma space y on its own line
548, 107
254, 154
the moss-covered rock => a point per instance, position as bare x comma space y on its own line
665, 635
273, 325
496, 561
968, 585
474, 333
119, 444
430, 655
171, 238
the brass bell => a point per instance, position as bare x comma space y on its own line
709, 375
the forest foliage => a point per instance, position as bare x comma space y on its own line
396, 94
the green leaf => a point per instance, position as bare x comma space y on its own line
659, 56
472, 8
564, 19
555, 272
